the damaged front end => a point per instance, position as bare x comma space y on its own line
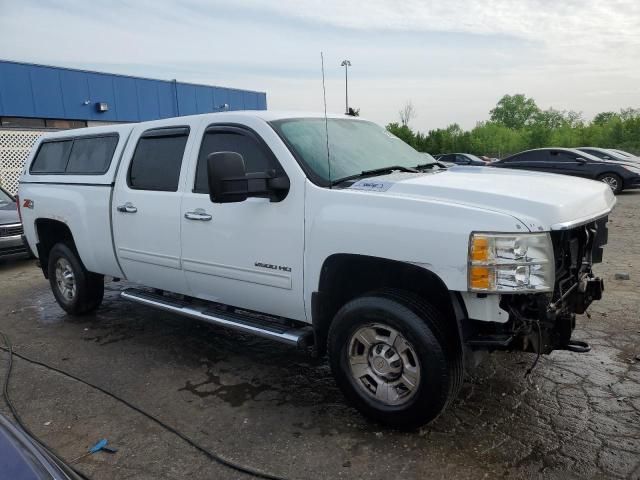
543, 322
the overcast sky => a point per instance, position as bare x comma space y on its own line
452, 58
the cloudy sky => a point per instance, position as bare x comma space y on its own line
452, 58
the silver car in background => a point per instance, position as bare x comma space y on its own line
11, 233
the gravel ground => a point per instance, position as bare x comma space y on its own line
275, 409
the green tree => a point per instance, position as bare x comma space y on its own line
542, 128
514, 111
604, 117
403, 132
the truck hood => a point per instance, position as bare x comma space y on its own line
541, 201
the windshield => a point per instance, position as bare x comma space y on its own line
354, 145
5, 199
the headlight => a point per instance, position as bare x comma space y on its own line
511, 263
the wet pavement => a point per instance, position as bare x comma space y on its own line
275, 409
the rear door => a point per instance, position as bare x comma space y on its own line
146, 208
247, 254
537, 160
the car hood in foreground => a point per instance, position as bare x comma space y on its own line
541, 201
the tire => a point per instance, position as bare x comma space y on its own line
428, 355
77, 290
613, 180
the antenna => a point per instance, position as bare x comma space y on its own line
326, 122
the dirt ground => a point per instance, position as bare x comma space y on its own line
274, 409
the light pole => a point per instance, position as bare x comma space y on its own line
346, 64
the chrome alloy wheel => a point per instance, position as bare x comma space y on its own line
65, 279
384, 364
611, 181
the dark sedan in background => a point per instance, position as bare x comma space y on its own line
609, 154
461, 159
568, 161
11, 234
622, 152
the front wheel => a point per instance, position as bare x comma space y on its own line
614, 181
391, 358
77, 290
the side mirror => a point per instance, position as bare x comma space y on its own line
227, 177
606, 157
581, 160
229, 181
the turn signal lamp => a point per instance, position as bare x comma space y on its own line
511, 263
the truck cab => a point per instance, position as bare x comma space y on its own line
325, 233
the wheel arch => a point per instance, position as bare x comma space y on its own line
344, 277
50, 232
615, 174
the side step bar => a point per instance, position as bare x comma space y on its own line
299, 337
489, 341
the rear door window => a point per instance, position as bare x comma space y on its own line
157, 160
51, 157
91, 155
535, 156
564, 157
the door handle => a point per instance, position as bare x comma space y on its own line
198, 214
127, 208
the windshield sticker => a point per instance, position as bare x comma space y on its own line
372, 185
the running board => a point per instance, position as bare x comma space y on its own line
489, 341
245, 323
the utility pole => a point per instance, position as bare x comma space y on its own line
346, 64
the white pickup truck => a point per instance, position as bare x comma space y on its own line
325, 233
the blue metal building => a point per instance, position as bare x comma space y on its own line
52, 97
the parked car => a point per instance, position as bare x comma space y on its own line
608, 154
22, 457
430, 159
461, 159
626, 154
399, 270
12, 240
567, 161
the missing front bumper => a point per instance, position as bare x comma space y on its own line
535, 323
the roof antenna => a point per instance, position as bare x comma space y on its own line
326, 122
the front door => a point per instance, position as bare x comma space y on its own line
146, 210
247, 254
568, 164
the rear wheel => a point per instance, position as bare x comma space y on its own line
614, 181
391, 358
77, 290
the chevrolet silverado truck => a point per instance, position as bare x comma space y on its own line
326, 233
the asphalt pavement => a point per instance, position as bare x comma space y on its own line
275, 409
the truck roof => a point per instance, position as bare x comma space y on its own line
266, 115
